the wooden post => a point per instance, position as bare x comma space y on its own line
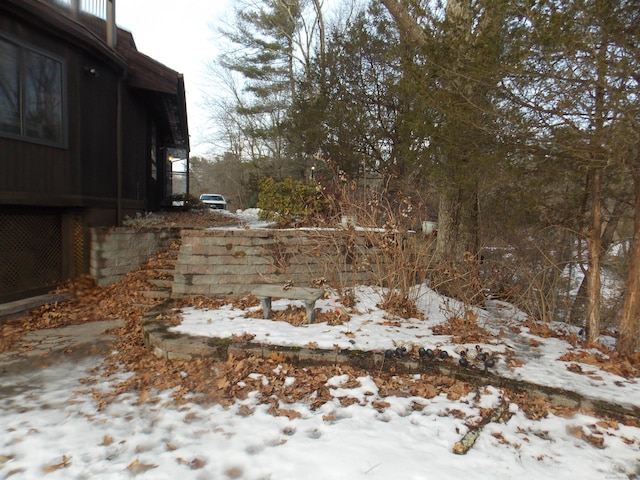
111, 23
75, 8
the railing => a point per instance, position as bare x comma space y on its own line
97, 8
103, 9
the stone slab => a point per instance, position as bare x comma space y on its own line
40, 348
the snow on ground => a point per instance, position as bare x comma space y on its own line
249, 218
368, 329
53, 427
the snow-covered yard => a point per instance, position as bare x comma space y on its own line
55, 426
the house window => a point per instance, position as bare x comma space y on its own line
9, 91
31, 99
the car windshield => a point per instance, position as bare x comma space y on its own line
211, 197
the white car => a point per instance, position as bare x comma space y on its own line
214, 200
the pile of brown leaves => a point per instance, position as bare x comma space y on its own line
297, 316
91, 303
544, 330
464, 329
610, 361
225, 382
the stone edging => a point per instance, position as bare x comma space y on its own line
19, 307
178, 346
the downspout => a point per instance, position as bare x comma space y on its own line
112, 41
187, 179
119, 216
183, 113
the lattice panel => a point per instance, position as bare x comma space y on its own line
30, 253
79, 246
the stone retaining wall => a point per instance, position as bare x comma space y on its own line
118, 251
233, 262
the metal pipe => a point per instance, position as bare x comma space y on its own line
119, 215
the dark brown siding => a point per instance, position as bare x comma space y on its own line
136, 150
95, 125
84, 173
51, 195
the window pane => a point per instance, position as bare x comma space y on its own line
9, 93
43, 97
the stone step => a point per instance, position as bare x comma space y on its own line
161, 282
163, 262
156, 293
145, 305
167, 263
168, 272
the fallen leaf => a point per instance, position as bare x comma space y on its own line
194, 464
380, 406
137, 467
66, 462
578, 432
245, 411
234, 472
277, 357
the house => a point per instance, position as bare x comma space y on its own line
88, 129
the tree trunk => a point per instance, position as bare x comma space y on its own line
628, 330
578, 308
457, 267
594, 242
406, 24
456, 251
457, 225
458, 202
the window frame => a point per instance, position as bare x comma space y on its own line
22, 49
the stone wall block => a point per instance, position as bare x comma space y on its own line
226, 262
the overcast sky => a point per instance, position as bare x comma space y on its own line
181, 35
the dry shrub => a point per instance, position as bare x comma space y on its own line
392, 252
400, 305
541, 329
464, 329
460, 280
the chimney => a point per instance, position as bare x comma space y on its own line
111, 24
